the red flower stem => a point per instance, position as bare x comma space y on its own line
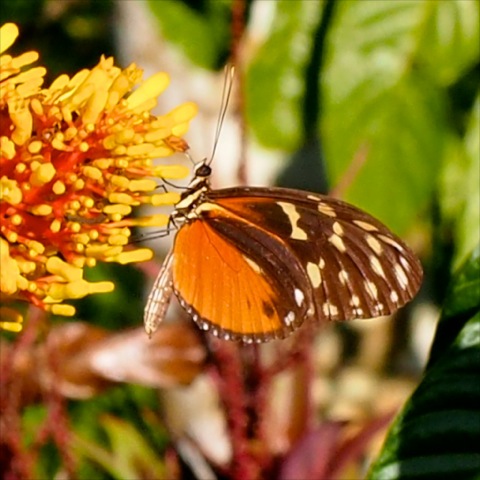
16, 461
238, 29
227, 360
57, 423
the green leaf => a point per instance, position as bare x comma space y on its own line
21, 11
438, 432
276, 76
376, 102
450, 43
201, 30
118, 308
468, 230
459, 187
463, 298
130, 456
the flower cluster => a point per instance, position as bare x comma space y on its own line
75, 158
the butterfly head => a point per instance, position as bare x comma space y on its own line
202, 170
193, 195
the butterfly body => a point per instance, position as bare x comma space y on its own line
253, 263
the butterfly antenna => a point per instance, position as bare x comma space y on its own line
226, 93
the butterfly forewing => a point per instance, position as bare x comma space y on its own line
356, 267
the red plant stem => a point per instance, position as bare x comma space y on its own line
16, 461
57, 424
227, 361
258, 384
351, 173
301, 395
238, 29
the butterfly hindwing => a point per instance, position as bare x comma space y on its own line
239, 281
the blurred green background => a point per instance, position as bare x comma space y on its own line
378, 98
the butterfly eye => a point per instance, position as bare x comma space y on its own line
203, 170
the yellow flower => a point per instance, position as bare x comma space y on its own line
75, 159
14, 82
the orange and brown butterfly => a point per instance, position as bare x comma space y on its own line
252, 264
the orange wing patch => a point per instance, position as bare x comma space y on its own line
225, 291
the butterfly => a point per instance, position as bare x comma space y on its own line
252, 264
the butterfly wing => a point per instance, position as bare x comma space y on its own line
237, 280
356, 267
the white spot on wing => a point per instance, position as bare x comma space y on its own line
337, 242
343, 276
289, 318
374, 244
254, 266
355, 301
379, 307
376, 266
371, 289
365, 225
313, 272
293, 216
391, 242
401, 276
338, 229
405, 263
326, 210
394, 296
299, 297
329, 310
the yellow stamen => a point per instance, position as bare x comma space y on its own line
117, 240
158, 220
134, 256
7, 148
16, 220
37, 247
139, 150
122, 198
59, 188
65, 310
92, 172
57, 266
119, 181
9, 191
42, 175
101, 251
169, 198
125, 136
35, 146
145, 185
117, 209
8, 35
160, 152
41, 210
151, 88
22, 120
